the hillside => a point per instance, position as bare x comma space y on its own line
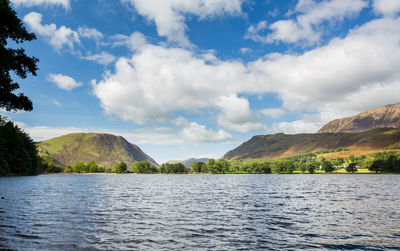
104, 149
280, 145
382, 117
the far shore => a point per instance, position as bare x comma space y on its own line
340, 171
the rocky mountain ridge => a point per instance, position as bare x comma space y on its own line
383, 117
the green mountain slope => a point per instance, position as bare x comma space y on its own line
105, 149
280, 145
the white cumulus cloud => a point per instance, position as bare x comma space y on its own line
169, 15
387, 7
305, 27
196, 133
58, 38
63, 82
339, 79
236, 114
158, 82
273, 112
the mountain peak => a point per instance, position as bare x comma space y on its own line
385, 116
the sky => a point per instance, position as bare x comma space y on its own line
197, 78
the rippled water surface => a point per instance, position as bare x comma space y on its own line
186, 212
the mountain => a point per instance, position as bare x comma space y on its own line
105, 149
281, 145
385, 116
187, 162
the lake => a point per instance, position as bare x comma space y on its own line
187, 212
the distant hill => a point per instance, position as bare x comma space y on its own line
104, 149
280, 145
382, 117
187, 162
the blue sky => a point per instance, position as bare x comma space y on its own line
197, 78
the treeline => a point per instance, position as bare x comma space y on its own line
384, 162
137, 167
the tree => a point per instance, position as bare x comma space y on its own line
311, 166
179, 168
303, 167
143, 167
92, 167
120, 168
18, 153
285, 166
386, 162
14, 60
337, 162
79, 167
198, 167
260, 167
46, 164
210, 165
221, 166
68, 169
327, 166
351, 168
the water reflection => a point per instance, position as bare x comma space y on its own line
175, 212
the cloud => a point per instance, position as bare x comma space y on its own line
58, 38
236, 115
245, 50
56, 102
30, 3
310, 15
134, 42
103, 58
40, 133
339, 79
194, 132
297, 126
331, 73
273, 113
169, 15
387, 7
158, 82
90, 33
189, 133
63, 82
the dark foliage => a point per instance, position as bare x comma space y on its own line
14, 60
120, 168
386, 162
18, 153
143, 167
172, 168
351, 168
327, 166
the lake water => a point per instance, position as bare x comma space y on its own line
187, 212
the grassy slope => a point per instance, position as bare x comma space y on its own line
104, 149
281, 145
